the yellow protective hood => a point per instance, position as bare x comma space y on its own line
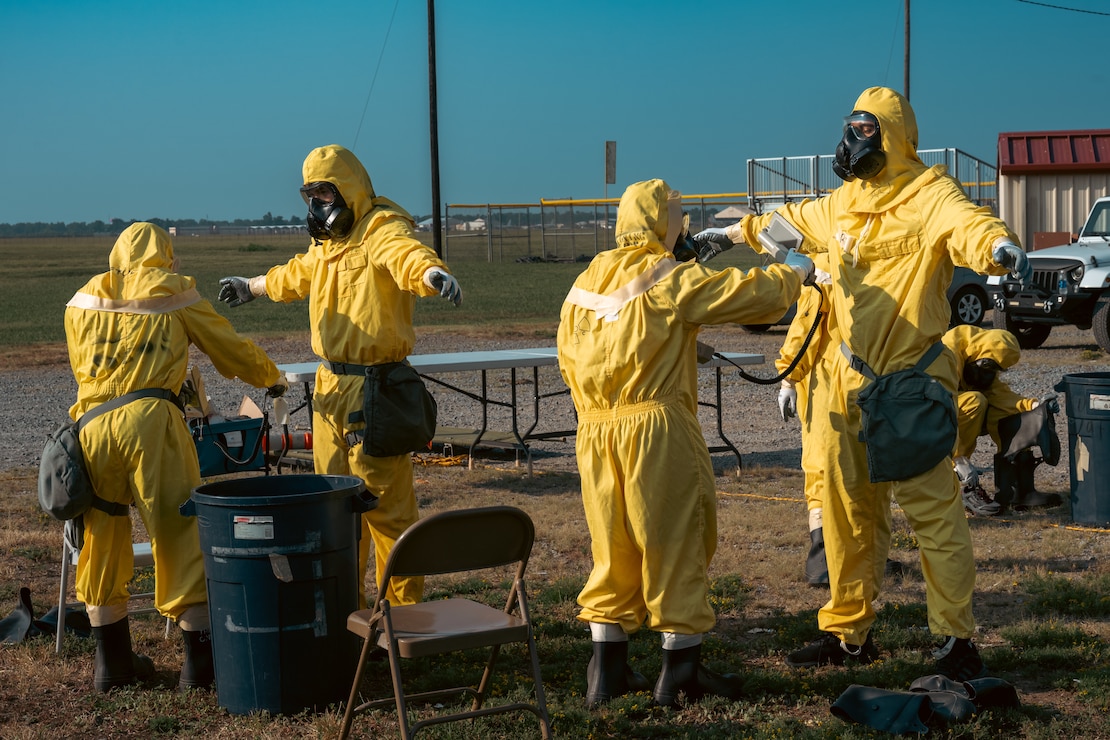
142, 266
649, 215
141, 245
339, 166
994, 344
969, 343
904, 173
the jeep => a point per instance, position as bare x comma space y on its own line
1071, 285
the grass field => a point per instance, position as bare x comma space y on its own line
43, 274
1042, 597
1041, 602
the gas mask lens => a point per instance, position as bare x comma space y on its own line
322, 192
862, 125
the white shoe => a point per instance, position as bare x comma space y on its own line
979, 503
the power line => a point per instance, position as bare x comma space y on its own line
1061, 7
375, 77
893, 40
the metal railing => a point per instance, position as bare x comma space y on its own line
555, 229
569, 229
777, 180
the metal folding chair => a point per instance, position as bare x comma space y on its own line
144, 558
451, 542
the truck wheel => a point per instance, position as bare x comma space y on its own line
1100, 325
1029, 336
968, 307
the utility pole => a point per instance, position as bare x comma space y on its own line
433, 125
906, 80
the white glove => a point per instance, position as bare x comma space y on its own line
235, 291
278, 389
788, 400
1013, 258
966, 472
820, 277
802, 265
445, 283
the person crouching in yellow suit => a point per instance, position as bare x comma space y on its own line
983, 400
627, 351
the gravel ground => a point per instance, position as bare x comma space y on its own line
34, 397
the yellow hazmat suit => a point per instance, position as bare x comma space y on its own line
812, 377
130, 329
626, 341
892, 244
980, 411
809, 378
362, 291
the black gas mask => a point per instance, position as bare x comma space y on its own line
685, 248
979, 374
328, 214
860, 151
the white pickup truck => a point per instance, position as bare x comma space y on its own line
1071, 285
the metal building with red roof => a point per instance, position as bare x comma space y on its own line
1047, 181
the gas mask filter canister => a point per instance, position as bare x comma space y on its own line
980, 374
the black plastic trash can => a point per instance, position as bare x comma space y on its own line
281, 564
1088, 409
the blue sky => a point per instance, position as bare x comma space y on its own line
121, 109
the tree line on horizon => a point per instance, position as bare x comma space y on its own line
115, 226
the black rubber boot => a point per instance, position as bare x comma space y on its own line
817, 568
1028, 497
116, 664
608, 674
1005, 478
198, 671
683, 673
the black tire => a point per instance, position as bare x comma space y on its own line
1029, 336
1100, 325
755, 328
969, 306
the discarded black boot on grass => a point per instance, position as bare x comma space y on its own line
21, 624
986, 693
76, 622
16, 627
932, 702
902, 712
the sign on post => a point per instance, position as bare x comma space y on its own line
610, 163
